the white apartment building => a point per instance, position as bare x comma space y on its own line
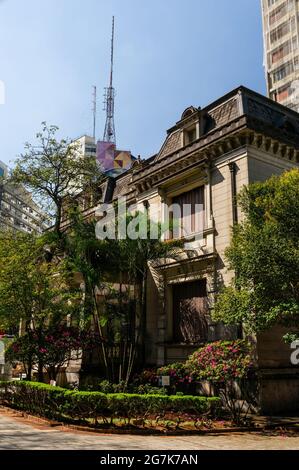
18, 211
281, 50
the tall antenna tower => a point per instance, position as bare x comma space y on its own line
94, 110
109, 133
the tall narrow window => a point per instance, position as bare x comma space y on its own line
188, 213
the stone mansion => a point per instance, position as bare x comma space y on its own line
208, 155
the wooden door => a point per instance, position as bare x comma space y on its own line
190, 312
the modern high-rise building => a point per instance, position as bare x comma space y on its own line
281, 50
86, 145
114, 162
18, 211
3, 170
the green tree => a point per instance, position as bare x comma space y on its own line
136, 256
88, 258
35, 294
53, 169
55, 347
264, 253
124, 262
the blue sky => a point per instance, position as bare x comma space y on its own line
169, 54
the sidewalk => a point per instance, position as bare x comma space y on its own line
17, 433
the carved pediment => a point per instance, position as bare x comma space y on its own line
189, 112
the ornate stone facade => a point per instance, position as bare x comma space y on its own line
240, 138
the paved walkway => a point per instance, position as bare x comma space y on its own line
17, 433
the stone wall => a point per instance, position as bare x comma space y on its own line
222, 205
262, 165
251, 164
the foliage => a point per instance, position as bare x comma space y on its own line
107, 387
54, 347
146, 376
120, 320
218, 361
52, 169
32, 289
35, 293
290, 338
239, 397
226, 364
146, 389
233, 306
221, 361
178, 372
22, 350
264, 254
55, 402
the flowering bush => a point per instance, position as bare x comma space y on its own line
221, 361
147, 376
52, 347
178, 372
218, 362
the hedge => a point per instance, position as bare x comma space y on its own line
55, 402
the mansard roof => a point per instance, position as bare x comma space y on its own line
240, 117
237, 103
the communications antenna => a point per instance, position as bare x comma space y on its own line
94, 110
109, 132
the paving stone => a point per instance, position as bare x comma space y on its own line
18, 434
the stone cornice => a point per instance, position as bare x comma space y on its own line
190, 156
186, 260
239, 133
273, 145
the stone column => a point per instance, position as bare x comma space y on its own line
160, 279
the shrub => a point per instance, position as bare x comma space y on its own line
146, 389
178, 372
221, 361
228, 364
53, 347
59, 403
141, 389
84, 404
34, 397
147, 376
108, 387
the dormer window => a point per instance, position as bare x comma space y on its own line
190, 135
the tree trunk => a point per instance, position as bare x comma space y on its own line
142, 322
97, 321
143, 317
40, 371
29, 370
53, 372
58, 218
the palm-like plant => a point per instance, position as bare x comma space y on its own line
124, 262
